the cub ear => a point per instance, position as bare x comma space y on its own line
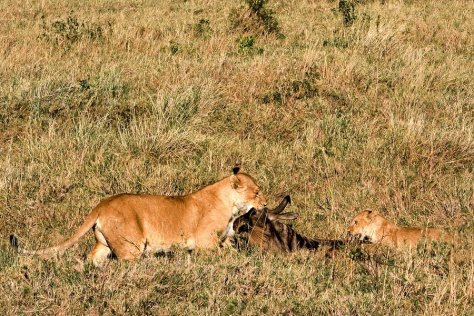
235, 170
234, 181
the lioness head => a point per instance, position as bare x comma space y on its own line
246, 193
365, 227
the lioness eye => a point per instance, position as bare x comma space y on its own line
355, 222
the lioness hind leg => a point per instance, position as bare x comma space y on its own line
126, 240
127, 248
99, 254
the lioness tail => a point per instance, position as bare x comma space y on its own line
88, 223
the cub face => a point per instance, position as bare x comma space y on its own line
363, 227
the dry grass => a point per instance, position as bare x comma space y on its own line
103, 97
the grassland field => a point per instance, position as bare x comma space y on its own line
344, 105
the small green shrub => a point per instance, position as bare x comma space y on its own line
347, 9
247, 46
246, 42
264, 15
202, 28
174, 47
65, 33
257, 17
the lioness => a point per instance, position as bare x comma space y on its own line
371, 227
128, 225
263, 229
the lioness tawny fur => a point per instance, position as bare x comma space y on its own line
127, 225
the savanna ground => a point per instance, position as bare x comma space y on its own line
343, 105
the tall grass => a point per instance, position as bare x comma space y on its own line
103, 97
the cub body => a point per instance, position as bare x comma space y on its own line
371, 227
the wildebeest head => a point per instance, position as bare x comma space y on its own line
255, 218
263, 229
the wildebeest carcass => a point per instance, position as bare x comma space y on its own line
264, 229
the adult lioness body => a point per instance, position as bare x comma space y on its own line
371, 227
128, 225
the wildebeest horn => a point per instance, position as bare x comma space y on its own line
282, 205
285, 216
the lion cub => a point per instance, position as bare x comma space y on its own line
371, 227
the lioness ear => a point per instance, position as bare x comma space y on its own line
371, 213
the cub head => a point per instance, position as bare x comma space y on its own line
246, 193
364, 227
